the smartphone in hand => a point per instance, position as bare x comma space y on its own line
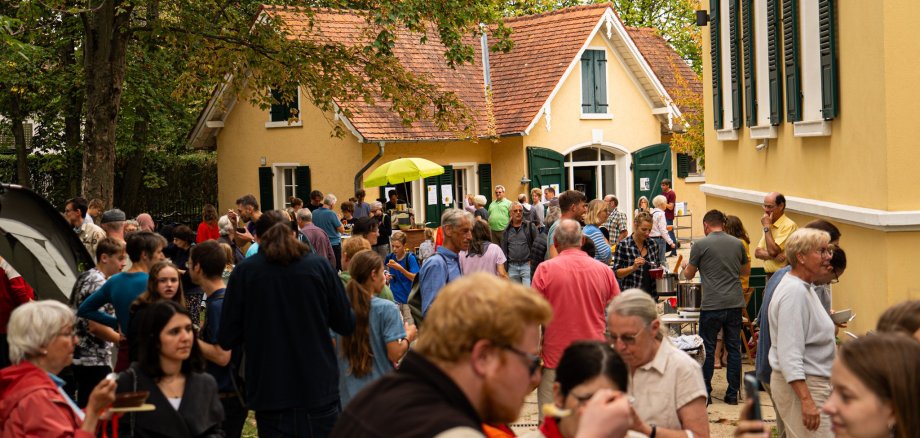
752, 391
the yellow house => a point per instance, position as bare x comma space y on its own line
579, 103
807, 98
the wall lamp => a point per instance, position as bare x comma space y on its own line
702, 18
525, 180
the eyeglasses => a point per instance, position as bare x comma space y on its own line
627, 339
828, 251
533, 361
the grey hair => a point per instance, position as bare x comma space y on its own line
804, 240
376, 205
552, 215
224, 225
453, 216
34, 325
634, 302
304, 215
659, 200
568, 234
479, 200
329, 199
499, 186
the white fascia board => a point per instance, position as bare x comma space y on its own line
341, 117
883, 220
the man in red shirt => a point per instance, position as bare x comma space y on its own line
578, 288
671, 196
14, 291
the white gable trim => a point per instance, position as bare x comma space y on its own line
341, 117
608, 18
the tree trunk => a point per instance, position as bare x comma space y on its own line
107, 35
73, 114
19, 138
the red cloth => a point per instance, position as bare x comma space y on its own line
497, 431
14, 291
32, 405
550, 428
207, 232
578, 288
672, 199
438, 238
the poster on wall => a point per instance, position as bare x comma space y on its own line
447, 191
432, 195
645, 184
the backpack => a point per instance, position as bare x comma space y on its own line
415, 294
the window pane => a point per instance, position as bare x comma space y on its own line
609, 180
607, 156
288, 176
585, 154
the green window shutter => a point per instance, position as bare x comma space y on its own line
750, 80
829, 85
715, 45
735, 55
485, 181
600, 81
302, 179
791, 64
267, 189
587, 82
773, 55
683, 165
283, 110
432, 212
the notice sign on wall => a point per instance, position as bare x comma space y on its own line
645, 184
432, 195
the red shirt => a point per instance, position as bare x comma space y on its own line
207, 232
672, 199
14, 291
578, 288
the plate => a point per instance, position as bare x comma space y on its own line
841, 316
147, 407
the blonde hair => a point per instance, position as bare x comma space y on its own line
352, 246
479, 201
399, 236
475, 307
804, 240
34, 325
659, 201
594, 216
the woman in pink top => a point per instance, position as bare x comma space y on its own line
483, 255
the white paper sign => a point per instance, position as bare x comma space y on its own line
554, 186
645, 184
386, 192
447, 194
432, 195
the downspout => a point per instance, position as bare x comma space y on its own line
359, 180
486, 68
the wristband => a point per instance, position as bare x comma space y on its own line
654, 430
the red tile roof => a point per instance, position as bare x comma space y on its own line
522, 80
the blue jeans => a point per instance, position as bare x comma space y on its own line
298, 422
672, 236
729, 321
519, 273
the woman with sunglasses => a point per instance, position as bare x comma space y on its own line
667, 384
585, 368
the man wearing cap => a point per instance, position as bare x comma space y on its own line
89, 234
113, 223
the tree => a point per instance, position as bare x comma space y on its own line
675, 21
690, 102
212, 39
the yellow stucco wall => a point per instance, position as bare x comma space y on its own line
245, 139
868, 161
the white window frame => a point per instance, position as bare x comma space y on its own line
278, 183
763, 128
285, 124
696, 177
596, 116
813, 123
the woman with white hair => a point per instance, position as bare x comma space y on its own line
802, 332
32, 399
666, 383
480, 212
228, 236
660, 226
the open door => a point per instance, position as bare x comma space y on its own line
651, 164
546, 167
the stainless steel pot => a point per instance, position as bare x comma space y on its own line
689, 296
667, 284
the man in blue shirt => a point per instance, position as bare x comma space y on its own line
206, 264
326, 218
444, 266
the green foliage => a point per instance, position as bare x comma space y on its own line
691, 140
675, 21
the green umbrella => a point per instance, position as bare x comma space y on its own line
402, 170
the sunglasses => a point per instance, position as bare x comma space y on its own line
533, 361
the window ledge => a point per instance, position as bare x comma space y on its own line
727, 134
759, 132
283, 124
816, 128
597, 116
695, 179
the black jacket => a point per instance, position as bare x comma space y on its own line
418, 400
200, 414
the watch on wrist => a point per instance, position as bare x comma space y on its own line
766, 229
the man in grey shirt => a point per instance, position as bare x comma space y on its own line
721, 261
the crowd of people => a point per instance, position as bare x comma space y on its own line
327, 322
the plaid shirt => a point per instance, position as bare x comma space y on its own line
616, 224
626, 254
